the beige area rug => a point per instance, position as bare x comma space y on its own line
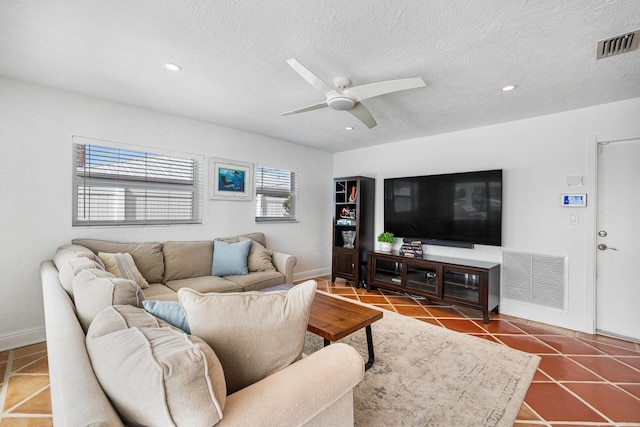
426, 375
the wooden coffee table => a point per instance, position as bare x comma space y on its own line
334, 318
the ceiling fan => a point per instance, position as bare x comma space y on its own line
342, 97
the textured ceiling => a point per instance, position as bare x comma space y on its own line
234, 52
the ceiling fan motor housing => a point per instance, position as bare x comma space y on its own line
341, 103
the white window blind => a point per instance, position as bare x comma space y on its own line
116, 186
276, 195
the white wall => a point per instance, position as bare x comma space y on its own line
536, 156
36, 126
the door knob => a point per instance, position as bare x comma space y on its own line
604, 247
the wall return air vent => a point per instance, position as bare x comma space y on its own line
618, 44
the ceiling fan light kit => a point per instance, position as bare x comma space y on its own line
341, 97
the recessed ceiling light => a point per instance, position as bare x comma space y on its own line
349, 128
172, 67
509, 88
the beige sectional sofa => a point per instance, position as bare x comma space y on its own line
314, 390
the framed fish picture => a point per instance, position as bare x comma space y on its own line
230, 180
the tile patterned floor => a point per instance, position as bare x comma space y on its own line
583, 380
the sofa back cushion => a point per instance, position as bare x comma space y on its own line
253, 333
72, 266
147, 256
185, 260
94, 291
67, 251
155, 375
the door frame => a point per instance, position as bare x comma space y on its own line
592, 222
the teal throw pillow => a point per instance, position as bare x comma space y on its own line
169, 311
230, 258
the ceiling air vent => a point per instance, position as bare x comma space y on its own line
618, 44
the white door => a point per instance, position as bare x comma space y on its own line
618, 228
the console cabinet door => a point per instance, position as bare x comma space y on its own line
344, 263
464, 284
424, 277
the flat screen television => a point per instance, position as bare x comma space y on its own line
457, 209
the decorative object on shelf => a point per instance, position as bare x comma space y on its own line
411, 249
348, 213
230, 180
348, 237
353, 195
386, 240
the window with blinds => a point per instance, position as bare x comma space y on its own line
115, 186
276, 195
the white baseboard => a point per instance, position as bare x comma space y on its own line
310, 274
22, 338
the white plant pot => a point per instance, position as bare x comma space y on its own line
385, 246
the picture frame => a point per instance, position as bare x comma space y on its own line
230, 180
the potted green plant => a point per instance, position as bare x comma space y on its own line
386, 239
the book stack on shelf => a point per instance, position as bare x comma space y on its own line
411, 249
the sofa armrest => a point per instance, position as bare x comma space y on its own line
284, 263
77, 398
314, 388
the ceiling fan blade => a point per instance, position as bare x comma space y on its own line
362, 114
309, 108
381, 88
314, 80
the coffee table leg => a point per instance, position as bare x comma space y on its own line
369, 348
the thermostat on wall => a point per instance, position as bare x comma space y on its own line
574, 200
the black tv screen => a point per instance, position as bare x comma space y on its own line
452, 208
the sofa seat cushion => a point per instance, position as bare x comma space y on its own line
160, 292
254, 334
93, 291
155, 375
258, 280
184, 259
205, 284
147, 256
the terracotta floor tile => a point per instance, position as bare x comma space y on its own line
609, 400
29, 349
3, 368
569, 345
561, 368
4, 356
502, 327
443, 311
486, 337
609, 368
21, 387
461, 325
33, 364
393, 299
553, 403
610, 349
616, 342
631, 361
526, 413
385, 306
26, 422
372, 299
38, 404
541, 376
536, 330
412, 310
526, 343
633, 389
